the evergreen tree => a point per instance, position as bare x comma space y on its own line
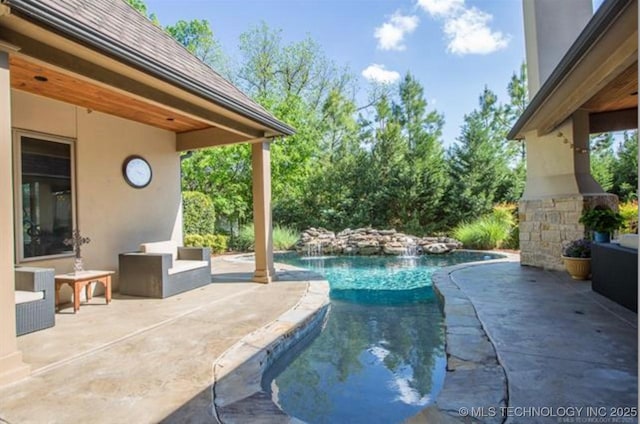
478, 165
625, 179
602, 160
425, 158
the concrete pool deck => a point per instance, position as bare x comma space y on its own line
516, 337
526, 338
152, 360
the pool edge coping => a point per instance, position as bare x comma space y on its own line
237, 372
460, 317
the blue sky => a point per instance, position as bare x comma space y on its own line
453, 47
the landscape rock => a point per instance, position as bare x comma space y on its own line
371, 241
436, 248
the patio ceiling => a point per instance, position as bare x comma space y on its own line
621, 93
49, 82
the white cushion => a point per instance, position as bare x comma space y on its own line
28, 296
181, 266
628, 240
161, 247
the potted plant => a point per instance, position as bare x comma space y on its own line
576, 256
602, 221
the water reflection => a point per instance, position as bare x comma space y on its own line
380, 358
375, 362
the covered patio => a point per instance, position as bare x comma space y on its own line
83, 86
151, 360
583, 79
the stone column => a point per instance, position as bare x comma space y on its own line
559, 183
11, 366
261, 168
559, 187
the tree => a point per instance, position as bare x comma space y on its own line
423, 130
141, 7
197, 36
299, 85
199, 213
602, 160
519, 98
478, 165
625, 169
224, 174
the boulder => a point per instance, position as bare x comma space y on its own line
386, 232
436, 248
370, 241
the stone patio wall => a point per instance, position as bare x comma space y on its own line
545, 224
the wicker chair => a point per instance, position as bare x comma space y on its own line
35, 299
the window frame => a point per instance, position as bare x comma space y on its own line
17, 191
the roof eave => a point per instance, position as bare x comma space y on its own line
600, 21
76, 31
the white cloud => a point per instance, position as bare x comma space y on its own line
391, 34
466, 30
377, 73
438, 8
469, 33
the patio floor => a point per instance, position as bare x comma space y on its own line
141, 360
560, 344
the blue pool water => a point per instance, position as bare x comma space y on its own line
380, 357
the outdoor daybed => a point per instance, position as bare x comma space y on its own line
164, 269
35, 299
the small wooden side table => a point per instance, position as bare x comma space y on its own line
78, 280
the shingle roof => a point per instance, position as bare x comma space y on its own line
116, 29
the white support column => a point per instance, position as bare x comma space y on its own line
11, 366
261, 168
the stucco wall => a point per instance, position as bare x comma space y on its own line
114, 215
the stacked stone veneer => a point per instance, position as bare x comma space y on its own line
545, 224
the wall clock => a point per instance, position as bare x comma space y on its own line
136, 171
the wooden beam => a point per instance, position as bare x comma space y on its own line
210, 137
618, 120
65, 61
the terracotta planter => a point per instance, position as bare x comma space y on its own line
578, 268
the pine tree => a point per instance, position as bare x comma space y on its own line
625, 181
425, 157
478, 165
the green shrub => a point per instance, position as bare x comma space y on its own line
629, 212
199, 214
193, 240
508, 212
495, 230
601, 219
283, 238
217, 242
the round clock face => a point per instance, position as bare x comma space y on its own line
137, 171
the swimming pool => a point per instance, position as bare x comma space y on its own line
380, 357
